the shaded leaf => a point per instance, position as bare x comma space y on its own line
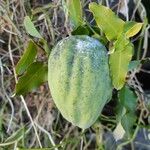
131, 28
102, 39
92, 31
30, 28
128, 121
96, 29
128, 99
81, 30
107, 21
75, 12
27, 58
119, 61
35, 75
86, 29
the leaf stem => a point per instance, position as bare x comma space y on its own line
82, 141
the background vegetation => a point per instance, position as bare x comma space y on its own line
33, 121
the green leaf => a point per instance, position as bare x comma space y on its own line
120, 111
126, 108
119, 61
131, 28
128, 121
107, 21
128, 99
75, 12
134, 64
127, 102
30, 28
27, 58
35, 75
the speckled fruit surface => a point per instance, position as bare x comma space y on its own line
78, 77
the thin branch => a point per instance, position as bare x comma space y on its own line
145, 71
82, 141
48, 134
127, 10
